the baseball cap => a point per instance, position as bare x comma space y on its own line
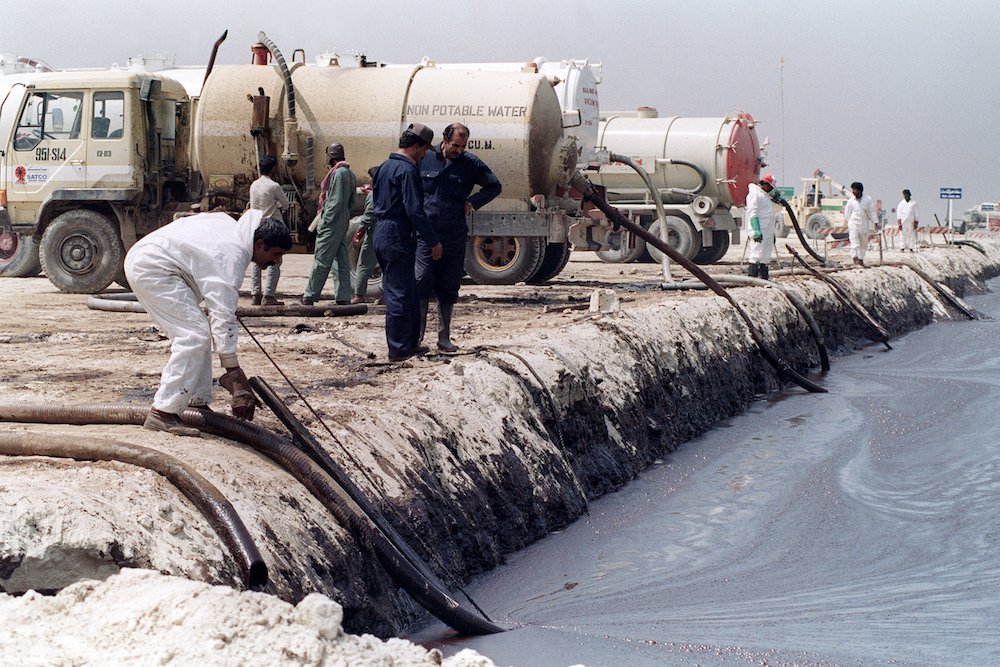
425, 133
767, 178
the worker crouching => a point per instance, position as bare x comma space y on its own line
760, 213
199, 258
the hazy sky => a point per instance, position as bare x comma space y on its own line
895, 94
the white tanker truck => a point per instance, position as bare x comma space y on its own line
93, 160
701, 167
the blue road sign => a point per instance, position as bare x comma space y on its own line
951, 193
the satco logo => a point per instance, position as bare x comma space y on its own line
19, 173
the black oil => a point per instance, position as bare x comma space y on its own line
859, 527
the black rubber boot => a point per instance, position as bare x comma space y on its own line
445, 312
754, 270
424, 306
763, 271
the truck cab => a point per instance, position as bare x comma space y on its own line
89, 163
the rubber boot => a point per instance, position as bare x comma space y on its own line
763, 271
425, 304
754, 270
445, 312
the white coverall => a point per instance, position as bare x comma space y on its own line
171, 270
759, 204
906, 214
861, 221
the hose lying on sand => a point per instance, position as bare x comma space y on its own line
304, 440
785, 371
321, 485
943, 290
793, 296
203, 494
881, 333
127, 303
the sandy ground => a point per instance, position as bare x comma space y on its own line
55, 350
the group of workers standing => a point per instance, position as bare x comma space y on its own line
859, 212
414, 224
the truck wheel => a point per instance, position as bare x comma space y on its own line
715, 252
375, 278
81, 252
503, 260
555, 260
781, 228
681, 236
18, 255
632, 248
814, 223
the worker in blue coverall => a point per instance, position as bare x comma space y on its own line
399, 220
449, 174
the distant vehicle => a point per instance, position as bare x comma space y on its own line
820, 205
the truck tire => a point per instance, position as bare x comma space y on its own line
815, 222
681, 236
18, 255
555, 260
375, 279
503, 260
632, 248
81, 252
716, 251
781, 228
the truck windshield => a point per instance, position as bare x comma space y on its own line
49, 116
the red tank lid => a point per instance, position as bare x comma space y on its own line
743, 165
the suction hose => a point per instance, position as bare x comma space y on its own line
285, 74
785, 371
794, 298
322, 486
943, 291
127, 303
206, 497
972, 244
798, 232
845, 297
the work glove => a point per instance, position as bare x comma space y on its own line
242, 401
755, 226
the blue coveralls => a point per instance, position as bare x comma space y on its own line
399, 218
447, 186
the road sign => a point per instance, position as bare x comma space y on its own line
987, 208
951, 193
786, 191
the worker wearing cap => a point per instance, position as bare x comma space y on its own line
449, 175
906, 217
172, 270
398, 200
331, 251
861, 221
760, 213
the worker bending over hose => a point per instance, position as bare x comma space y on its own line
199, 258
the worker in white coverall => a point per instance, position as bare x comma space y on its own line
199, 258
760, 213
862, 220
907, 218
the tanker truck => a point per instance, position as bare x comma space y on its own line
701, 167
91, 161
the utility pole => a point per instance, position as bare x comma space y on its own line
784, 148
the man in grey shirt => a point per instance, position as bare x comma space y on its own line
267, 196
